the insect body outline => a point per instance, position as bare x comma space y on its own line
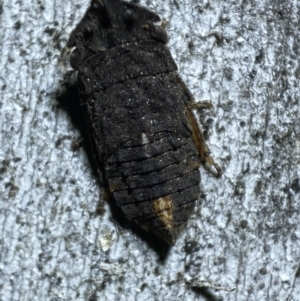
139, 115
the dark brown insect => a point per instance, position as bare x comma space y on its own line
139, 115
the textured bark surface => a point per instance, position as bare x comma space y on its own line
245, 230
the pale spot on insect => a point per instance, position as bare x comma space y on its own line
163, 207
145, 139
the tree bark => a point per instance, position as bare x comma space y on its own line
244, 234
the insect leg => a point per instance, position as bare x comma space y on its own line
201, 105
204, 153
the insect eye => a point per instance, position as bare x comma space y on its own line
95, 6
129, 17
88, 32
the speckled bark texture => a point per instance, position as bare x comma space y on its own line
244, 57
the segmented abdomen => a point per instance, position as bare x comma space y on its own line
144, 139
156, 183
